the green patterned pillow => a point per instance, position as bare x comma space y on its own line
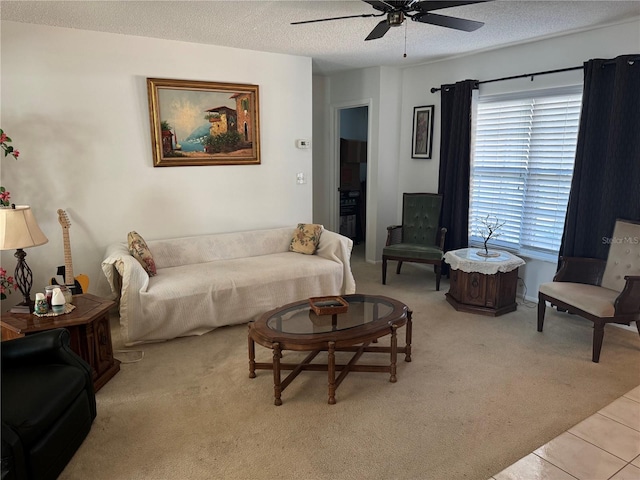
306, 238
140, 251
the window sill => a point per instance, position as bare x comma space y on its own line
530, 254
543, 257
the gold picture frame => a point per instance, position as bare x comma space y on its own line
203, 123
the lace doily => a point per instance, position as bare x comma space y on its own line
468, 260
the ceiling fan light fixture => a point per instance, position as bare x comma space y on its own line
417, 10
395, 19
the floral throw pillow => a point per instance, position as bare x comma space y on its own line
140, 251
306, 238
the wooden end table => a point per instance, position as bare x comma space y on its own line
88, 325
296, 327
483, 285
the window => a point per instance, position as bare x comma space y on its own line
522, 166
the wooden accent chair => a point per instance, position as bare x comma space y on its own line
418, 239
598, 290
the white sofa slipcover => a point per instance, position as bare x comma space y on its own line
208, 281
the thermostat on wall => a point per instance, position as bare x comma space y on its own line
303, 143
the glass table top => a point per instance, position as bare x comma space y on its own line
300, 319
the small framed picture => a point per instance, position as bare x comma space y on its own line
422, 132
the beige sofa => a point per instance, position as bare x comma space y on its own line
208, 281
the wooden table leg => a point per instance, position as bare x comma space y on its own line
332, 373
277, 390
252, 355
375, 316
409, 327
598, 335
394, 353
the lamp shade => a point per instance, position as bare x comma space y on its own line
19, 229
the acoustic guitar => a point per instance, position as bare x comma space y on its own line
76, 285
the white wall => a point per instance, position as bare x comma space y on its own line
380, 89
549, 54
75, 104
323, 188
388, 88
387, 199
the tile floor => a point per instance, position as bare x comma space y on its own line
605, 446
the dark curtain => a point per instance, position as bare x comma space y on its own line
455, 160
606, 177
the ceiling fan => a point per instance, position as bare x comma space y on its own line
418, 11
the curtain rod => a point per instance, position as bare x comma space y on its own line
525, 75
633, 59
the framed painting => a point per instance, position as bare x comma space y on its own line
203, 123
422, 132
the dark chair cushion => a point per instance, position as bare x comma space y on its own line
414, 251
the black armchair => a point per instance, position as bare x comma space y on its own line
48, 405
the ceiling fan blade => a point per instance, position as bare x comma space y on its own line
379, 30
364, 15
427, 6
449, 22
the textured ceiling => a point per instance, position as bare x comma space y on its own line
336, 45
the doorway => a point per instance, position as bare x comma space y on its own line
353, 138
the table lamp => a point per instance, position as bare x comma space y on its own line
19, 230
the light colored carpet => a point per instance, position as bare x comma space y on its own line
480, 393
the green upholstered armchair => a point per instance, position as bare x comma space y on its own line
419, 239
598, 290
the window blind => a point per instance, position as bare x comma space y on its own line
522, 166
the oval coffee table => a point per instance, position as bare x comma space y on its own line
297, 327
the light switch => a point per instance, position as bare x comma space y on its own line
303, 143
300, 178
